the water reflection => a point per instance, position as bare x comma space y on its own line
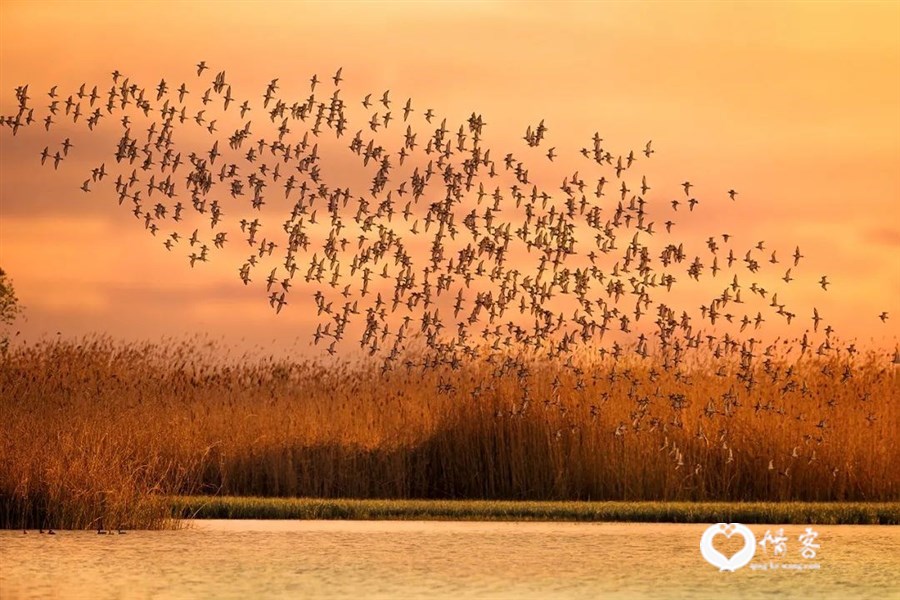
403, 559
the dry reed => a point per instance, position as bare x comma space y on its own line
98, 433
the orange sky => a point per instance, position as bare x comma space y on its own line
795, 105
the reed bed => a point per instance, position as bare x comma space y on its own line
99, 433
821, 513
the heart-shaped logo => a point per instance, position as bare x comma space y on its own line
716, 558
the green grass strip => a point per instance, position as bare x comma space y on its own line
822, 513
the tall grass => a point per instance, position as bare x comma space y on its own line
100, 432
820, 513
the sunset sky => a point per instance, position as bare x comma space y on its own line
795, 105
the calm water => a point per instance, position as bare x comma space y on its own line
396, 559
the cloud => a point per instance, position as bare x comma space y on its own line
882, 236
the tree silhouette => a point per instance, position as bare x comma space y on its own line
9, 307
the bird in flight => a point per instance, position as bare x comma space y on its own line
438, 214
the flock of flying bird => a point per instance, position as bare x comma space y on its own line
451, 244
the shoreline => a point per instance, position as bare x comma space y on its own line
820, 513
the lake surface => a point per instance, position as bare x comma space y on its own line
412, 559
